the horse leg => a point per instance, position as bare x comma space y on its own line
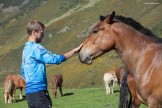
6, 97
107, 88
21, 93
137, 103
60, 89
134, 102
111, 88
116, 83
113, 84
54, 91
10, 98
13, 94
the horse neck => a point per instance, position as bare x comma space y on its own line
129, 44
19, 81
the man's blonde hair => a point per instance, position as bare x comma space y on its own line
34, 26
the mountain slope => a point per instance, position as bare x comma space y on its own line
67, 25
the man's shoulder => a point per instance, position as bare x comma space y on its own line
34, 46
40, 48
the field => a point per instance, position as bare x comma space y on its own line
75, 98
68, 23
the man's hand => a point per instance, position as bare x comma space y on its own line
78, 48
70, 53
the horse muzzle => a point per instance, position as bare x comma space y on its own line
85, 59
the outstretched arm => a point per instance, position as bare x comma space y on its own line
70, 53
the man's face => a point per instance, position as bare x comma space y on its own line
39, 35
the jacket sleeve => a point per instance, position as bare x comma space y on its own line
45, 56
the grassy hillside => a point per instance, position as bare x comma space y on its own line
67, 25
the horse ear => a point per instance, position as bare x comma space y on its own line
111, 17
102, 18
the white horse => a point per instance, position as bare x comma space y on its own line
110, 81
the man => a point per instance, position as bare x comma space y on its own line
34, 58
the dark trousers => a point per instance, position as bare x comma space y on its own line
39, 99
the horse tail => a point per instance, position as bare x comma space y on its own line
130, 104
8, 86
124, 92
8, 91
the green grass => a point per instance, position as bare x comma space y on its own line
88, 98
75, 98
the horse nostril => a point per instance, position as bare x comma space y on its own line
88, 60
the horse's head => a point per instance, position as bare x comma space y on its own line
99, 41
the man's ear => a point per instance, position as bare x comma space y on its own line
34, 33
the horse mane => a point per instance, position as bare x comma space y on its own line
21, 76
131, 22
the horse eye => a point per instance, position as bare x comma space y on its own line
95, 31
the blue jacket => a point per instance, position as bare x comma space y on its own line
33, 68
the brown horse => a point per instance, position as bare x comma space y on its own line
17, 82
57, 82
134, 101
139, 49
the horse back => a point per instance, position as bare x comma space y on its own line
108, 76
18, 80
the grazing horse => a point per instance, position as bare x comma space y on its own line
8, 90
134, 101
57, 82
139, 49
18, 82
110, 81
